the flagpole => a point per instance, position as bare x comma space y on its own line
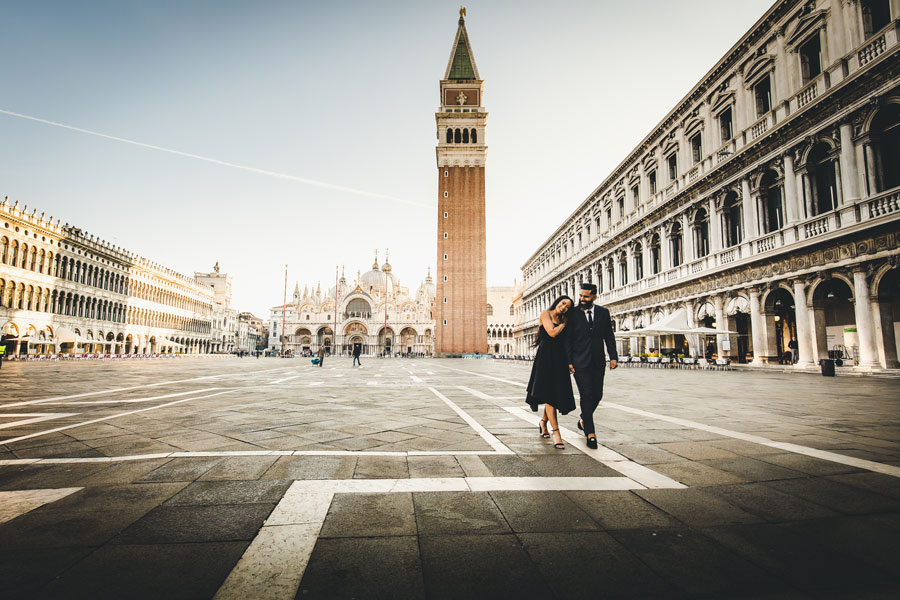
284, 311
334, 332
385, 302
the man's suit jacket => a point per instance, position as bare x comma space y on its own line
585, 346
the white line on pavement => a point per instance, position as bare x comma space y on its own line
275, 562
285, 379
485, 376
232, 453
131, 412
608, 457
18, 502
135, 387
136, 400
315, 383
843, 459
37, 418
416, 379
476, 393
478, 427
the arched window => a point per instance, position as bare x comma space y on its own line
4, 249
876, 14
885, 149
449, 136
474, 136
654, 254
623, 269
465, 138
490, 310
822, 179
42, 259
33, 259
733, 220
512, 309
701, 233
24, 256
457, 136
770, 202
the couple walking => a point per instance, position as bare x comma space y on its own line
570, 340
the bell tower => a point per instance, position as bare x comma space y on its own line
461, 298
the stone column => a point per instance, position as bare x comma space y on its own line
849, 173
749, 211
806, 193
790, 190
645, 256
664, 264
801, 315
693, 339
687, 239
867, 355
885, 343
871, 170
757, 325
721, 324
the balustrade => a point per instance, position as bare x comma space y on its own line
872, 50
816, 227
808, 94
728, 256
759, 128
693, 174
765, 244
885, 204
697, 266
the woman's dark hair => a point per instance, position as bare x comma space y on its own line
541, 333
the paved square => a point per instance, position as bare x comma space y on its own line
230, 478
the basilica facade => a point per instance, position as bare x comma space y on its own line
374, 311
765, 205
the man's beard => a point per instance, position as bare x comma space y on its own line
585, 303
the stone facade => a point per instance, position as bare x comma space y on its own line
63, 291
501, 316
765, 204
461, 319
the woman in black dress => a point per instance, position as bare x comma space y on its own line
550, 383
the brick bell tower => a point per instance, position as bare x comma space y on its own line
461, 298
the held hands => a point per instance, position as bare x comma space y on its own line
613, 364
571, 369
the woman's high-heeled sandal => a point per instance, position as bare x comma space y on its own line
545, 433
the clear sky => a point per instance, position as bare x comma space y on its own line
342, 93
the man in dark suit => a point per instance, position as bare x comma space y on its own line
589, 328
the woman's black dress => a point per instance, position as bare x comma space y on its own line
550, 382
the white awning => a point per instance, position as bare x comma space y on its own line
672, 324
168, 342
67, 336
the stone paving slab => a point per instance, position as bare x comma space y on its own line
762, 514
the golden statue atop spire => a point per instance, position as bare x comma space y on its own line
462, 11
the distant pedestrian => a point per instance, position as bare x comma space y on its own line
795, 350
321, 355
2, 352
357, 350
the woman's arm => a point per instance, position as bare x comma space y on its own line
551, 329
